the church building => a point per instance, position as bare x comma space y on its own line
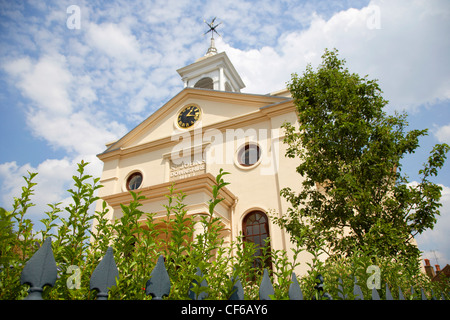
210, 125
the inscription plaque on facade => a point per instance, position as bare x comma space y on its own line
186, 170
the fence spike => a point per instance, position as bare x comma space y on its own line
432, 295
104, 275
319, 284
202, 294
295, 292
422, 293
158, 285
319, 288
341, 290
375, 295
238, 290
357, 292
39, 271
400, 294
266, 288
388, 293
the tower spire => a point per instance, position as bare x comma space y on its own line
212, 48
212, 71
212, 28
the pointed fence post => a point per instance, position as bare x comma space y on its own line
422, 294
341, 290
412, 293
400, 294
295, 292
432, 295
357, 292
104, 275
158, 286
375, 295
320, 290
40, 271
388, 293
266, 288
238, 290
200, 294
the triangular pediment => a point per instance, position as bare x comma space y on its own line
217, 108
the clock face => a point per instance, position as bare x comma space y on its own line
188, 116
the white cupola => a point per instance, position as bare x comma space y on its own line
212, 71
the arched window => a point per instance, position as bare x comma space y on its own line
255, 227
205, 83
228, 87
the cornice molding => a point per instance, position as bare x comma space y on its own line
191, 185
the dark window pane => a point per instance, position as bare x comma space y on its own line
249, 155
256, 229
205, 83
134, 181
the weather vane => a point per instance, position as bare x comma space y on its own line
212, 27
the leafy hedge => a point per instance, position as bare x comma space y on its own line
137, 246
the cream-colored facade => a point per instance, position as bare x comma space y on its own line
207, 126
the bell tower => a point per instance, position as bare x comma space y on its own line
212, 71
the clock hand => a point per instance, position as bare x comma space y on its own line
189, 114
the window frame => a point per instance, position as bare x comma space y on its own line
243, 148
205, 83
261, 243
130, 177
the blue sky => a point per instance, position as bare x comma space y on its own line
65, 92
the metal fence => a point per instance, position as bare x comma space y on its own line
41, 270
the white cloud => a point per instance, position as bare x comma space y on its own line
12, 175
162, 11
388, 40
435, 241
56, 111
443, 134
113, 40
44, 82
64, 100
77, 132
53, 180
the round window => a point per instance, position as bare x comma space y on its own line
249, 155
134, 181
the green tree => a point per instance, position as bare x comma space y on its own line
354, 195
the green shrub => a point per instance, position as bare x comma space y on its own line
138, 245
